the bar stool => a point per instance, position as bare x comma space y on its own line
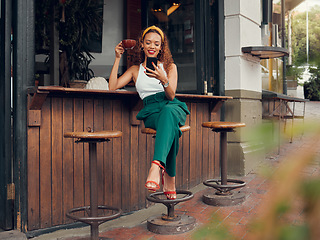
170, 223
224, 196
94, 220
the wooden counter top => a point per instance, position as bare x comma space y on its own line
63, 90
37, 96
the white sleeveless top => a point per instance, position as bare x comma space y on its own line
147, 86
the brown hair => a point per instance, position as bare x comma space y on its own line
164, 55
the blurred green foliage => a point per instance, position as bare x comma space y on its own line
289, 185
312, 87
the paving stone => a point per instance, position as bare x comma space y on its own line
12, 235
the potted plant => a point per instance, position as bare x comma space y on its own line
77, 22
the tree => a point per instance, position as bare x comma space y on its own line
299, 37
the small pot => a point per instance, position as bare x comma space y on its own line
78, 84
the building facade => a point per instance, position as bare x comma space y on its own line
206, 39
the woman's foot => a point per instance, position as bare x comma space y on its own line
153, 179
169, 187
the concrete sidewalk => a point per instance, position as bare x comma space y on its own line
237, 219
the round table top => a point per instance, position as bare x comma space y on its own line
93, 135
223, 125
153, 131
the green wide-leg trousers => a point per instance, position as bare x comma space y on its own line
167, 118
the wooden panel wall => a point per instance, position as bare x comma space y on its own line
58, 169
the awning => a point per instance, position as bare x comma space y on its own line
265, 52
291, 4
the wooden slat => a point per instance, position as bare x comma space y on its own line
98, 126
87, 123
67, 120
107, 154
216, 166
125, 165
185, 149
194, 165
117, 154
147, 165
179, 170
33, 179
57, 213
205, 144
199, 153
142, 161
45, 166
134, 168
78, 158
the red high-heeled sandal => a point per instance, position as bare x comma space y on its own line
174, 193
168, 193
156, 187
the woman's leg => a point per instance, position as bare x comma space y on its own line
166, 144
167, 137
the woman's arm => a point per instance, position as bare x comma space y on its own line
115, 82
170, 80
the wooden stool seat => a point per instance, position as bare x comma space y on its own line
223, 125
153, 131
100, 135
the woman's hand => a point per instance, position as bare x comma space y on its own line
169, 82
157, 73
119, 50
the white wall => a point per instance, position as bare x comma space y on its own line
113, 33
242, 29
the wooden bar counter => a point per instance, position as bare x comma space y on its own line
58, 168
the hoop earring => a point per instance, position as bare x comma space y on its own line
142, 49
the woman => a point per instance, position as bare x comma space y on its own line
161, 111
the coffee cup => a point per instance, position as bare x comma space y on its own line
128, 43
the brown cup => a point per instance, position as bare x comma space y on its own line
128, 43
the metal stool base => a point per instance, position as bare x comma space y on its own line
157, 225
214, 199
94, 221
170, 223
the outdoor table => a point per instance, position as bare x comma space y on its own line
280, 108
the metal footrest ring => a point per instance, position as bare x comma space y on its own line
95, 219
224, 189
159, 197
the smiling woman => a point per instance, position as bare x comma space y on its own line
162, 111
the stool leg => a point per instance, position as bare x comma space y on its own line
223, 142
93, 189
170, 210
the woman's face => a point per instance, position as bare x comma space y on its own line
151, 44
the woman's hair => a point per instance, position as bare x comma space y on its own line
164, 55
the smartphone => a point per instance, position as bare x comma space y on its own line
151, 60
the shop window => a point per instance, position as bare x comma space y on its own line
177, 19
192, 29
